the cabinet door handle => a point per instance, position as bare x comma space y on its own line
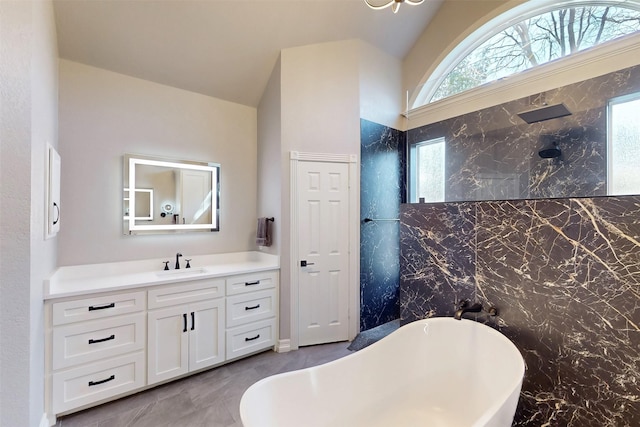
193, 320
184, 318
55, 205
112, 337
257, 282
111, 378
252, 308
101, 307
254, 338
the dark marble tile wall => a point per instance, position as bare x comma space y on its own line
382, 189
492, 154
565, 276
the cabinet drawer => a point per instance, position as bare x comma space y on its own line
186, 292
249, 338
86, 342
252, 282
246, 308
81, 310
91, 383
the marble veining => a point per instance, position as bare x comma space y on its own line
381, 192
565, 275
492, 154
437, 256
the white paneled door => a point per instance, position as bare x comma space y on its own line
323, 249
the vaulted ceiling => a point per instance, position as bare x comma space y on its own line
222, 48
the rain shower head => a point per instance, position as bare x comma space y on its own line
547, 112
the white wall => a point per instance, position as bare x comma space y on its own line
269, 157
381, 95
28, 85
320, 98
104, 115
44, 128
15, 173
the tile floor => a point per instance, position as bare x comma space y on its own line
208, 399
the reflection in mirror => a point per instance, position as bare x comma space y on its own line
144, 204
169, 195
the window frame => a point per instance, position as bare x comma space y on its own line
607, 58
614, 101
494, 26
414, 168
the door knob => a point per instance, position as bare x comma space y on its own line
304, 263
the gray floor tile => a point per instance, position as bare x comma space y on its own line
208, 399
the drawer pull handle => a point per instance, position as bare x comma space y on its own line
106, 380
254, 338
193, 320
101, 307
109, 338
257, 282
184, 317
252, 308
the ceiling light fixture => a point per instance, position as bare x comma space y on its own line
395, 4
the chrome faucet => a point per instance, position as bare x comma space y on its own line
178, 255
464, 307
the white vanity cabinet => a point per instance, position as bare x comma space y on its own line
252, 305
186, 329
114, 334
97, 348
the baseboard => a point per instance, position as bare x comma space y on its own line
44, 421
283, 346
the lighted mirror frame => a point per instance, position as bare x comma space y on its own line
127, 198
131, 161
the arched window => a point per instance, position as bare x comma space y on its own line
527, 36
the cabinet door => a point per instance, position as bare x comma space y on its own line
251, 282
94, 308
247, 339
185, 293
168, 343
250, 307
84, 342
206, 329
104, 379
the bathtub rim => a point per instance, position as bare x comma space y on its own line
487, 415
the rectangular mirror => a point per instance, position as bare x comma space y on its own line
168, 196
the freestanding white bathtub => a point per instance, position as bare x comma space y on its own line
436, 372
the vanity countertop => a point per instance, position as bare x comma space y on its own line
93, 278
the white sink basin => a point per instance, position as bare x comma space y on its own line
181, 272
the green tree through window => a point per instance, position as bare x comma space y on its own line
538, 40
